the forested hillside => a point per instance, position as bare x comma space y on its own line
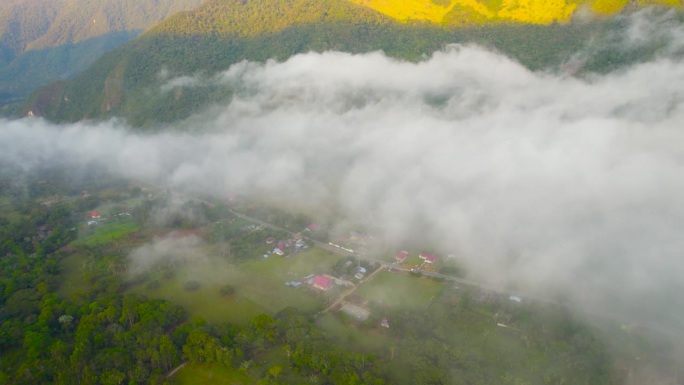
126, 81
41, 41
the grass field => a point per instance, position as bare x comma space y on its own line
198, 374
71, 275
106, 233
206, 302
401, 291
259, 285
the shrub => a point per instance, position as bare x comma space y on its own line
192, 285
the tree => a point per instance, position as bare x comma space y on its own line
274, 371
112, 377
202, 347
227, 290
192, 285
167, 351
65, 320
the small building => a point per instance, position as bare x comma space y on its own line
95, 215
321, 282
401, 256
428, 258
270, 240
384, 322
515, 298
358, 276
278, 251
313, 227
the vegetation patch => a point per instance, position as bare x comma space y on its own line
191, 285
105, 234
401, 291
363, 339
210, 374
205, 302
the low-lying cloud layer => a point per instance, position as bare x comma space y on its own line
552, 183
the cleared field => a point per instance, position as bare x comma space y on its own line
400, 290
259, 286
196, 374
206, 302
71, 275
106, 233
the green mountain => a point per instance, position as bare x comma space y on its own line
41, 41
126, 81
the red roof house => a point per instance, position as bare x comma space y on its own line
401, 256
322, 282
95, 214
428, 258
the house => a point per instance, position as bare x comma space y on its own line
428, 258
95, 215
361, 270
278, 251
312, 227
358, 276
270, 240
384, 322
401, 256
321, 282
515, 298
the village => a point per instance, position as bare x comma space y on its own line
330, 277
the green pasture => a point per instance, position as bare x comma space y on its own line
105, 233
204, 374
71, 275
259, 286
401, 291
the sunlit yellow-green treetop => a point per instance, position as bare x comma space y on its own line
522, 11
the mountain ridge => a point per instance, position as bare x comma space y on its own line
41, 41
125, 82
